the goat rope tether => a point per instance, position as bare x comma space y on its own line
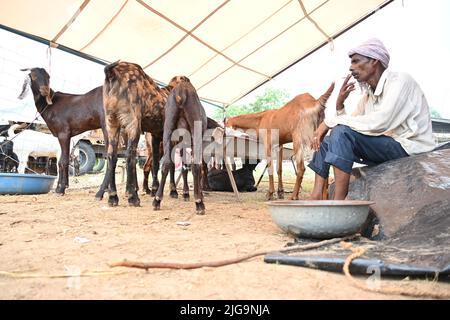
398, 290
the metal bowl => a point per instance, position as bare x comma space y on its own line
320, 219
18, 183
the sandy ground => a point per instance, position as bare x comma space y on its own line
46, 236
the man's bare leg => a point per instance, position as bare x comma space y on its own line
319, 183
325, 190
342, 180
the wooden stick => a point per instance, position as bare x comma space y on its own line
220, 263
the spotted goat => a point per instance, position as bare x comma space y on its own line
133, 103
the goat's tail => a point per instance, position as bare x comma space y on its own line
111, 75
108, 68
323, 98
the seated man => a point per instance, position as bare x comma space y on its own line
392, 120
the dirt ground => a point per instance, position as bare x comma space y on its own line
46, 238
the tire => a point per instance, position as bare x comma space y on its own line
99, 165
87, 157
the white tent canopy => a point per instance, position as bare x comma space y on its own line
226, 47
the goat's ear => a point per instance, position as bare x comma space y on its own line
26, 69
25, 87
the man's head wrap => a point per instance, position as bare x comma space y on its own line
372, 48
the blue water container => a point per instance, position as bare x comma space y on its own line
18, 183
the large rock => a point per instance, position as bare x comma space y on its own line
401, 188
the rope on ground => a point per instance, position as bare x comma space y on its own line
398, 290
220, 263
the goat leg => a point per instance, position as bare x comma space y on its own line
156, 141
147, 169
63, 164
198, 194
133, 198
173, 186
184, 172
205, 183
167, 164
280, 191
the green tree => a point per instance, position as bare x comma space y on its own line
271, 99
435, 113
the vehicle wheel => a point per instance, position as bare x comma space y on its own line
99, 164
86, 158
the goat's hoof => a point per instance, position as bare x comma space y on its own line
147, 191
134, 202
280, 194
154, 189
186, 196
113, 201
269, 196
156, 204
200, 208
173, 194
99, 195
293, 197
60, 191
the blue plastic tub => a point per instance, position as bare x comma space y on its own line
18, 183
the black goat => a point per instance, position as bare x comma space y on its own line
220, 181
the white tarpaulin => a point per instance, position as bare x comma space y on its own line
226, 47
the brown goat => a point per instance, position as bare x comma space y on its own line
132, 101
66, 115
184, 110
295, 122
211, 124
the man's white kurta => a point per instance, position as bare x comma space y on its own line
397, 108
